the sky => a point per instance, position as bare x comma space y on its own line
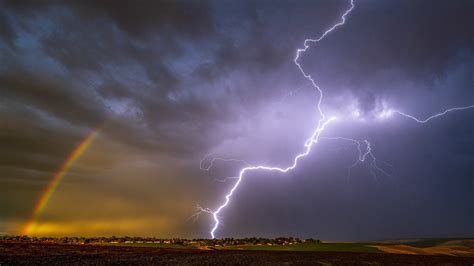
165, 84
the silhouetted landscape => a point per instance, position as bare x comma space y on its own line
246, 251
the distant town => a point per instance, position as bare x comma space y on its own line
162, 241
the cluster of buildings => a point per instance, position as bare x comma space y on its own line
163, 241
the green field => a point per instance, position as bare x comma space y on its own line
426, 243
451, 246
348, 247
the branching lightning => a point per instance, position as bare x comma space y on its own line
309, 143
362, 156
323, 122
423, 121
212, 160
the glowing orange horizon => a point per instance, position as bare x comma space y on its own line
76, 153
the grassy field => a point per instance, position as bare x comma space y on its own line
453, 247
342, 247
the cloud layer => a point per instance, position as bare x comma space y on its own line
169, 82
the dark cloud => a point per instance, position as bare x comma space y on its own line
7, 33
137, 18
51, 96
168, 82
389, 48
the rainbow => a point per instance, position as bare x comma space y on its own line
76, 153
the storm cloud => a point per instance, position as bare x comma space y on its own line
169, 82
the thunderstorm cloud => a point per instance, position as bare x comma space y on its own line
168, 82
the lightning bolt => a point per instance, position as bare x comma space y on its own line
314, 138
309, 143
211, 162
321, 125
423, 121
362, 156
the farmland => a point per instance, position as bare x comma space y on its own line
26, 252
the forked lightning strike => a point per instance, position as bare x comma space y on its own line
362, 156
423, 121
211, 162
315, 137
322, 123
